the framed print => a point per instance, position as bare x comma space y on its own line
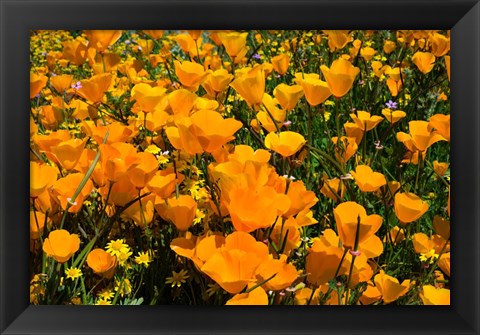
294, 158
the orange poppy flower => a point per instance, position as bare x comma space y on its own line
340, 76
333, 188
146, 97
181, 102
441, 124
156, 34
435, 296
338, 39
217, 82
251, 86
440, 44
285, 272
61, 245
42, 177
37, 83
75, 51
94, 89
345, 148
287, 143
444, 263
280, 63
365, 121
64, 188
212, 130
251, 209
234, 42
61, 83
393, 116
100, 40
316, 90
389, 46
288, 96
102, 263
116, 159
256, 297
409, 207
421, 136
181, 211
367, 180
140, 174
351, 216
424, 61
68, 153
390, 288
190, 74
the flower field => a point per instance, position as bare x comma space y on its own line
240, 167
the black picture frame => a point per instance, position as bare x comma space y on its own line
17, 17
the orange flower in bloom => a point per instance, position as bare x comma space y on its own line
42, 176
37, 83
233, 265
340, 76
68, 153
370, 295
217, 82
422, 243
280, 63
337, 39
300, 198
233, 42
102, 263
393, 116
409, 207
94, 89
212, 130
365, 121
345, 148
288, 96
147, 98
389, 46
444, 263
61, 83
440, 44
278, 114
424, 61
351, 216
181, 102
100, 40
316, 90
61, 245
75, 51
64, 188
440, 168
421, 136
255, 297
397, 235
435, 296
285, 273
287, 143
441, 226
333, 188
190, 74
156, 34
323, 258
140, 174
367, 53
163, 183
181, 211
354, 131
251, 209
116, 159
390, 288
447, 65
251, 86
288, 229
441, 124
367, 180
141, 215
117, 132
